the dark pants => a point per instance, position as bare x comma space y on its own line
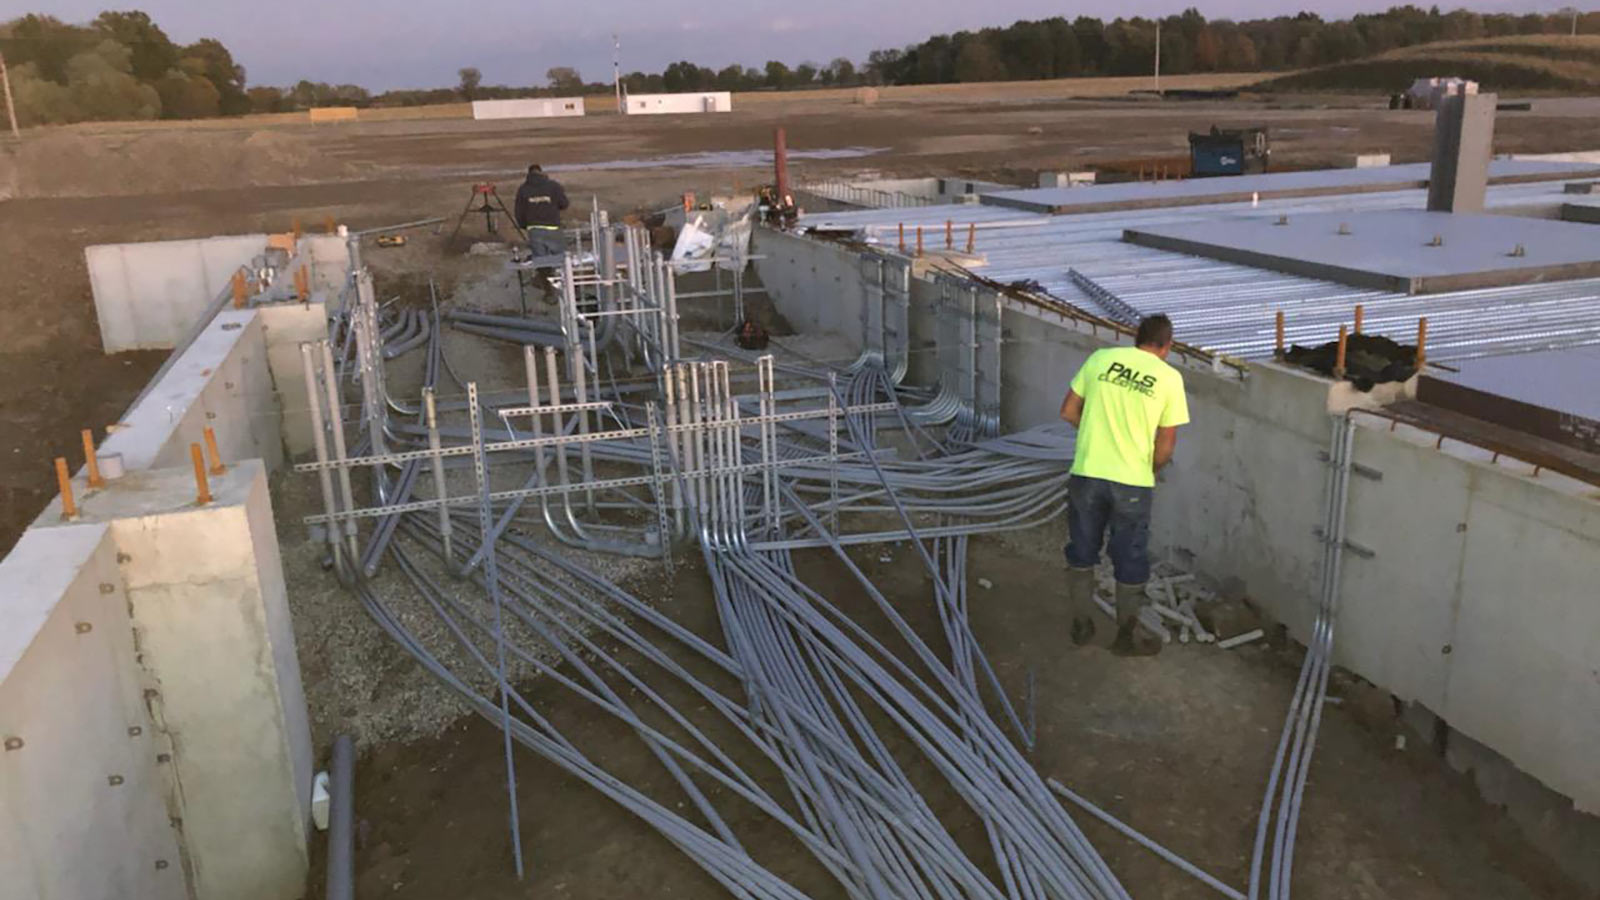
545, 243
1094, 507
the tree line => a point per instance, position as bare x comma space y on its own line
120, 66
123, 66
1085, 46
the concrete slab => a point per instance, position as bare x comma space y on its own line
1273, 185
1392, 249
1562, 380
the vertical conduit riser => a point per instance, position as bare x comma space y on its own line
341, 880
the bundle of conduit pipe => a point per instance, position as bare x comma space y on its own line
528, 331
850, 731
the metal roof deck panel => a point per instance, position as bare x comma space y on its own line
961, 215
1196, 191
874, 223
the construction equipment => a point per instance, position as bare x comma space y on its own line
1233, 151
777, 209
776, 201
490, 206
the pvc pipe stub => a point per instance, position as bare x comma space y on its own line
111, 467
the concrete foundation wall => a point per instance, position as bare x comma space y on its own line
817, 286
171, 746
328, 260
157, 680
148, 295
1480, 601
213, 628
933, 188
83, 791
284, 328
222, 381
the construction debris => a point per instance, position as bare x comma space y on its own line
1370, 359
1240, 640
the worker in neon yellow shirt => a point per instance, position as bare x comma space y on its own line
1127, 404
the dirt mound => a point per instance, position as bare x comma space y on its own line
71, 162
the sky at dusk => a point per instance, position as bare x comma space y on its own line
382, 44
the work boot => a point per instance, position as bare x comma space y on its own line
1080, 605
1131, 640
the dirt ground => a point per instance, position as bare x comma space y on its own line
1177, 746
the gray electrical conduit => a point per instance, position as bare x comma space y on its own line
417, 333
519, 739
509, 725
388, 520
340, 883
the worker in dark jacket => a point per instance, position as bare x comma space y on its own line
540, 201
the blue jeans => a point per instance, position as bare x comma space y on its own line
1095, 506
544, 243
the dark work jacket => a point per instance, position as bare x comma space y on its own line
540, 202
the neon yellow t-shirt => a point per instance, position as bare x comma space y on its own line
1127, 393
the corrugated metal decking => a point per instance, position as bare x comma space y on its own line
1273, 185
1230, 309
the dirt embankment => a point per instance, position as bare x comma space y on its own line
1529, 64
78, 163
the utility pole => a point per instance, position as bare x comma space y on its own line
1158, 57
616, 68
11, 108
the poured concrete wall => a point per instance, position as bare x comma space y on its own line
214, 633
148, 295
1480, 558
149, 672
222, 381
328, 260
933, 188
211, 703
1481, 603
83, 792
284, 328
816, 286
